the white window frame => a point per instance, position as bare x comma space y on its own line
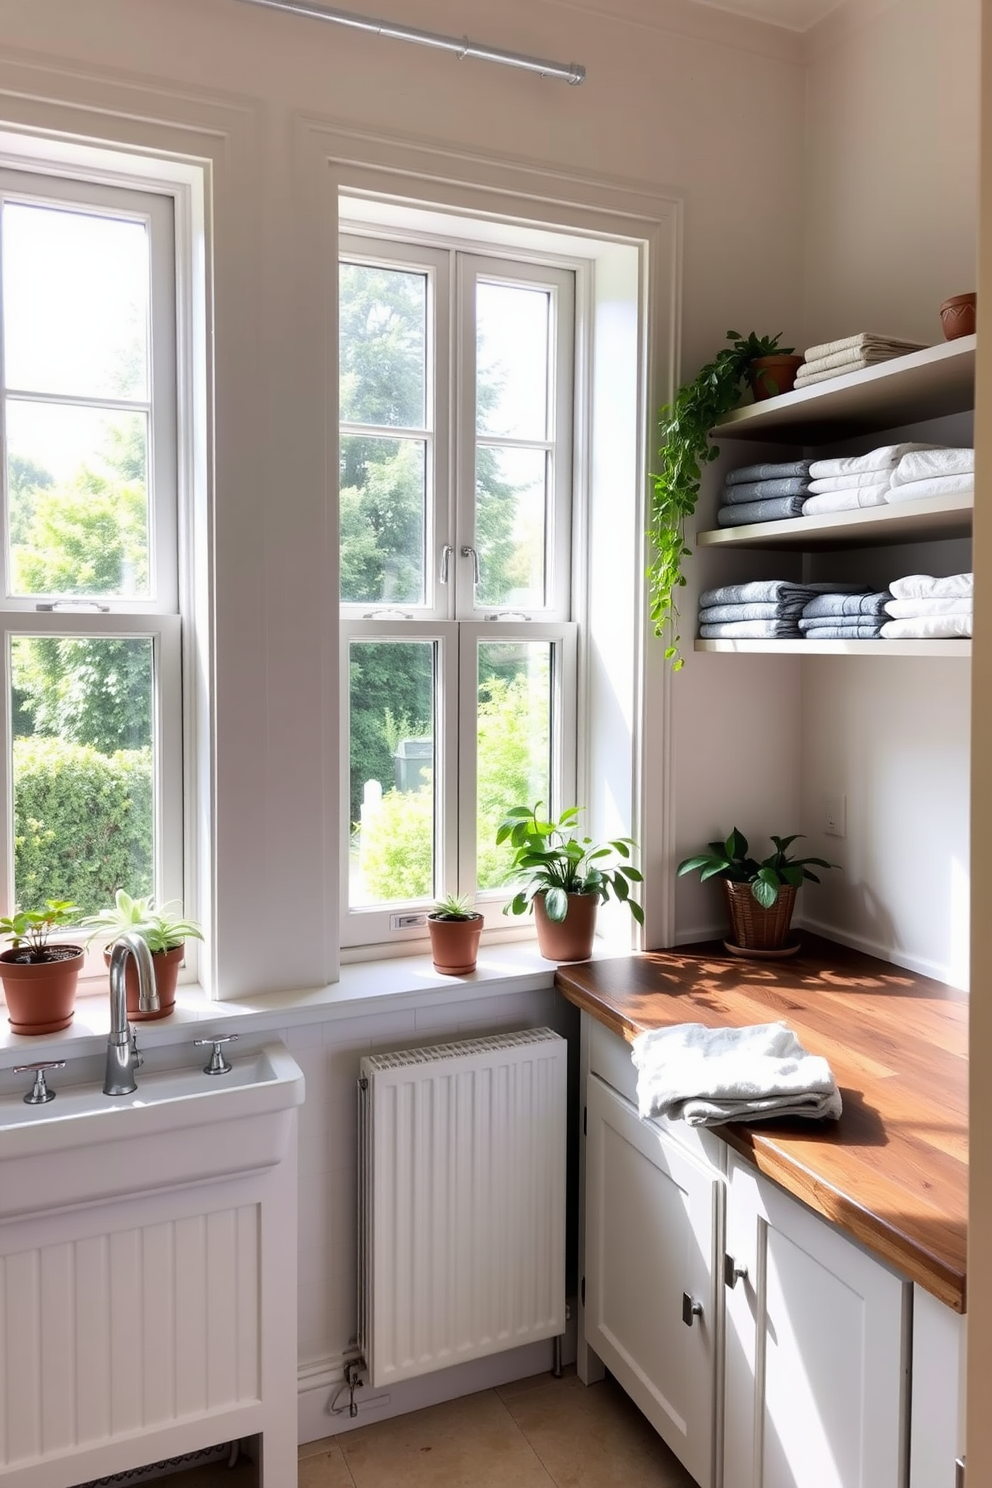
158, 615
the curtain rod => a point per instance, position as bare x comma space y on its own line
571, 72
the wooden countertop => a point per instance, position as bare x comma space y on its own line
893, 1172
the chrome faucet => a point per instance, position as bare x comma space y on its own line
122, 1047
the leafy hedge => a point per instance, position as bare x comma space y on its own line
82, 823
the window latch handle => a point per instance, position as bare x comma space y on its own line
446, 553
387, 615
75, 607
468, 552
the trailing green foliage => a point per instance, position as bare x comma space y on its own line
684, 426
555, 862
28, 930
161, 927
731, 859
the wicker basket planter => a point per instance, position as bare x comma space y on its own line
754, 928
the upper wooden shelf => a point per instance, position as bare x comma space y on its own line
905, 521
924, 385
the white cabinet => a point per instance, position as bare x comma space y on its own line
653, 1223
817, 1376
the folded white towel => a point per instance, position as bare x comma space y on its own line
847, 482
925, 586
707, 1076
858, 342
844, 360
886, 457
846, 500
910, 609
928, 628
806, 378
936, 485
922, 464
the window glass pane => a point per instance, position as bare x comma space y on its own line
512, 360
78, 500
383, 520
391, 803
511, 521
75, 302
515, 681
383, 339
81, 711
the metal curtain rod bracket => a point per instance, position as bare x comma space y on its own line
571, 72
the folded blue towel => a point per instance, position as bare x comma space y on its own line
751, 630
763, 591
833, 606
765, 490
867, 628
781, 471
760, 511
717, 614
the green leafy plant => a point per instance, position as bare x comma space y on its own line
161, 927
684, 426
731, 859
28, 930
453, 907
555, 862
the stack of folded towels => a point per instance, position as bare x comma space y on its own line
764, 493
847, 482
764, 610
845, 617
933, 472
850, 354
925, 608
706, 1076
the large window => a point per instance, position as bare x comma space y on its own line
456, 398
90, 595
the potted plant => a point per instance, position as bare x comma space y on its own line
39, 978
454, 928
163, 930
760, 895
565, 879
684, 426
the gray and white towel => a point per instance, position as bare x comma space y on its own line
885, 457
765, 490
743, 513
708, 1076
923, 464
720, 614
782, 470
838, 606
841, 628
785, 592
784, 629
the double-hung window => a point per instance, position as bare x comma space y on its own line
456, 488
92, 763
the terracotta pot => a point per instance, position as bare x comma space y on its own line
569, 939
958, 315
166, 965
454, 944
753, 927
41, 995
770, 375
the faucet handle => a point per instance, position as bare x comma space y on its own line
218, 1065
39, 1094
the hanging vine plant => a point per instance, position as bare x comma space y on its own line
684, 425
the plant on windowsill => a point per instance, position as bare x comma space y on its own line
454, 927
163, 930
565, 878
760, 895
684, 426
39, 977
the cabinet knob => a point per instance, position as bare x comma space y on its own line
733, 1272
690, 1309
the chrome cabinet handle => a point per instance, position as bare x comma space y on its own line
733, 1272
690, 1309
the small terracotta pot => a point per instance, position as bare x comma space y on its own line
569, 939
770, 375
166, 965
454, 944
958, 316
753, 927
41, 995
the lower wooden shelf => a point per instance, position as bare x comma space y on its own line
960, 649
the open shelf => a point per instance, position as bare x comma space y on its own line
923, 385
906, 521
960, 649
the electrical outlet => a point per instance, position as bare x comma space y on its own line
835, 816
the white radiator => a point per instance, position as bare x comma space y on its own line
461, 1201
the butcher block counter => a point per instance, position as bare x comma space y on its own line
893, 1171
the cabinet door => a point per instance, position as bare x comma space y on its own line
652, 1220
816, 1350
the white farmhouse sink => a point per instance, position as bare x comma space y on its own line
180, 1126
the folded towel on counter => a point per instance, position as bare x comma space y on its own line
843, 360
925, 586
907, 609
742, 513
936, 485
833, 606
784, 629
886, 457
860, 342
928, 628
867, 628
784, 470
922, 464
706, 1076
852, 499
850, 482
720, 614
766, 490
778, 591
